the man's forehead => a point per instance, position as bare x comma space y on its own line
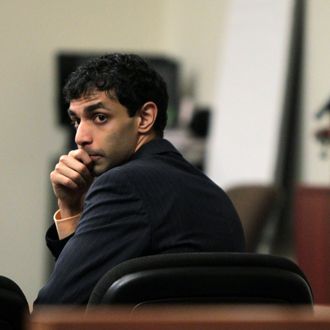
85, 102
88, 103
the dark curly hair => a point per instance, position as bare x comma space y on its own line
133, 81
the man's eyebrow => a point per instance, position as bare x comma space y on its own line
89, 109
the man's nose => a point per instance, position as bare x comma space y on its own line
83, 134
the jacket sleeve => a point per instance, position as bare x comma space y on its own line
53, 242
113, 227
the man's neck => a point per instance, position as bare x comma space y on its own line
145, 138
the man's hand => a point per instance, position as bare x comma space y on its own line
71, 179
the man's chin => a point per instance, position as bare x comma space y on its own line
100, 167
97, 170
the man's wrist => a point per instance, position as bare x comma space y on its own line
69, 211
65, 226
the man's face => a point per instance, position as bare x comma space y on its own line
104, 130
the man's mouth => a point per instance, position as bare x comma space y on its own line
94, 154
95, 157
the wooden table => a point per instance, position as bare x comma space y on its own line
183, 318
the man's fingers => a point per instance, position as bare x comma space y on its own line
77, 173
72, 174
71, 179
76, 165
59, 179
82, 156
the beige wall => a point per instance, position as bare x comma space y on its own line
32, 32
314, 169
251, 82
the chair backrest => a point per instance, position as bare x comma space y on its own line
254, 204
189, 278
13, 305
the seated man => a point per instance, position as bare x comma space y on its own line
126, 192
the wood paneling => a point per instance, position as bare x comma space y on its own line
312, 236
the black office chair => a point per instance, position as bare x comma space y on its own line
13, 305
189, 278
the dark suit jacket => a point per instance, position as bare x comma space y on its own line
155, 203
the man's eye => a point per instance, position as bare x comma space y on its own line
100, 118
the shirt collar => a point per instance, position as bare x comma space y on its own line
155, 146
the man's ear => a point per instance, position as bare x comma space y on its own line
147, 116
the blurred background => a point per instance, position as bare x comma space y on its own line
250, 85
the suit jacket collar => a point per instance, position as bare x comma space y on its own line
156, 146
